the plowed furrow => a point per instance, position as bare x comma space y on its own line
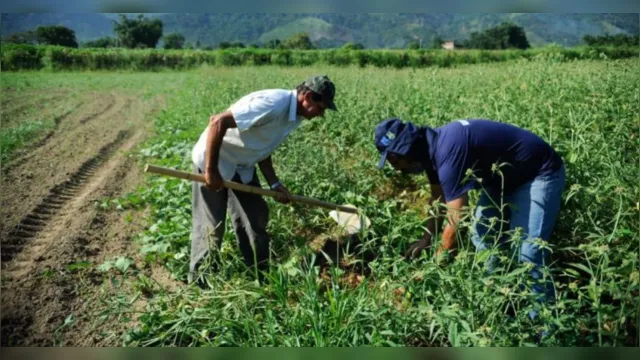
29, 227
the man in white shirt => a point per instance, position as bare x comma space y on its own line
229, 148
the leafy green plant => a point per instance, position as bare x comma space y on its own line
582, 104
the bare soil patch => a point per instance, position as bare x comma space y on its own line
52, 233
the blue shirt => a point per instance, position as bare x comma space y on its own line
478, 145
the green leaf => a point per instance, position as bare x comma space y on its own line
105, 266
123, 263
69, 320
453, 334
582, 267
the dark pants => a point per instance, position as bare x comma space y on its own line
249, 216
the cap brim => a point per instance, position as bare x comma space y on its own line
332, 106
383, 159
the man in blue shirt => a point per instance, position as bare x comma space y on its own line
521, 179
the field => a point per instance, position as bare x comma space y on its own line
95, 252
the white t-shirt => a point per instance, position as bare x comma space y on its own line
264, 120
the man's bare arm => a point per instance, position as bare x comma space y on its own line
218, 125
266, 166
453, 218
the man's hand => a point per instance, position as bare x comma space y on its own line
416, 248
213, 180
284, 195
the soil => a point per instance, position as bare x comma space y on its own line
51, 225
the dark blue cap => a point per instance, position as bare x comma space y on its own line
392, 135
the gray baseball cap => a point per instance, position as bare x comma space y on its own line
321, 84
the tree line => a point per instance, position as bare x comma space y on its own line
611, 40
141, 33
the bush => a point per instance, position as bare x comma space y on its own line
21, 57
28, 57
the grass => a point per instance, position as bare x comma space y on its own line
587, 110
588, 113
34, 102
18, 137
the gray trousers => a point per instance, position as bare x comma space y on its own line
249, 217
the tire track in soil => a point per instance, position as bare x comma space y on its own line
36, 307
39, 290
50, 206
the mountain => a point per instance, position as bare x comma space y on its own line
87, 26
333, 30
318, 30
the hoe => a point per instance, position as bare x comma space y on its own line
348, 217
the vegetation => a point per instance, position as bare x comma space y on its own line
26, 37
45, 35
104, 42
227, 45
138, 33
612, 40
19, 57
414, 45
504, 36
330, 30
586, 112
56, 35
173, 41
299, 41
352, 46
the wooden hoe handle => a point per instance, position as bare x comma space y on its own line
247, 188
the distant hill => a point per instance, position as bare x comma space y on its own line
333, 30
318, 30
87, 26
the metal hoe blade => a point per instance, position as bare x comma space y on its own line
351, 223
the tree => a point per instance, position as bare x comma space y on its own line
414, 44
229, 45
173, 41
352, 46
272, 44
299, 41
138, 33
436, 42
516, 36
504, 36
56, 35
104, 42
26, 37
611, 40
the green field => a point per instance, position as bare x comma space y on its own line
589, 113
588, 110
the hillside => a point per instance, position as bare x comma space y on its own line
332, 30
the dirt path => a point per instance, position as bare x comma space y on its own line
50, 223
